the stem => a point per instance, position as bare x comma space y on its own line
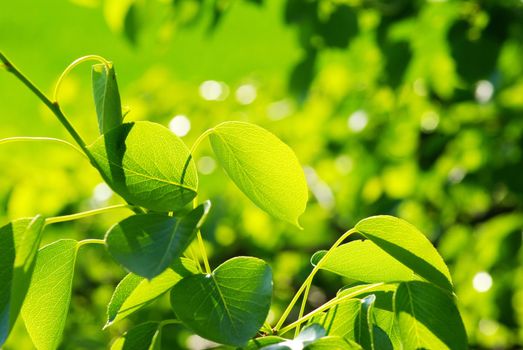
302, 308
328, 305
200, 243
90, 241
308, 281
168, 322
73, 65
40, 138
53, 106
85, 214
200, 139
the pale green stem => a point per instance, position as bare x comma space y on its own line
168, 322
73, 65
200, 139
85, 214
90, 241
328, 305
53, 106
308, 281
40, 138
302, 308
201, 244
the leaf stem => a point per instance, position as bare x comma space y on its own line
200, 243
168, 322
90, 241
73, 65
64, 218
308, 281
200, 139
53, 106
40, 138
328, 305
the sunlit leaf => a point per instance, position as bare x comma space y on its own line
47, 302
106, 97
147, 165
19, 243
228, 306
428, 318
146, 244
263, 167
145, 336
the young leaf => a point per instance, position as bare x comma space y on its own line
145, 336
147, 165
134, 292
146, 244
47, 302
428, 318
228, 306
364, 261
19, 243
364, 330
263, 167
407, 245
106, 97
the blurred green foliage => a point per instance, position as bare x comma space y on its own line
409, 108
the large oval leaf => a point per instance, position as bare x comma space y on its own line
146, 244
19, 243
228, 306
135, 292
363, 261
263, 167
408, 245
428, 318
147, 165
47, 302
106, 97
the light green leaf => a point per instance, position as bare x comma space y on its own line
408, 245
147, 165
428, 318
47, 302
134, 292
228, 306
364, 261
106, 97
333, 343
263, 167
146, 244
145, 336
19, 243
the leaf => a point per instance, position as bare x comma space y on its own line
134, 292
408, 245
19, 243
147, 165
146, 244
333, 342
145, 336
364, 332
262, 342
106, 97
47, 302
228, 306
264, 168
363, 261
428, 318
308, 335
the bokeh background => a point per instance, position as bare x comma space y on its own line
409, 108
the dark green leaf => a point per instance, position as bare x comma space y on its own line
260, 343
145, 336
428, 318
408, 245
106, 97
47, 302
134, 292
228, 306
364, 261
146, 244
263, 167
147, 165
19, 243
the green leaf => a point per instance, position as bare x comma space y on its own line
364, 261
333, 343
263, 167
134, 292
364, 331
146, 244
408, 245
145, 336
106, 97
428, 318
47, 302
147, 165
228, 306
262, 342
19, 243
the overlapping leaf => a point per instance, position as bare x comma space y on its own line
106, 97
